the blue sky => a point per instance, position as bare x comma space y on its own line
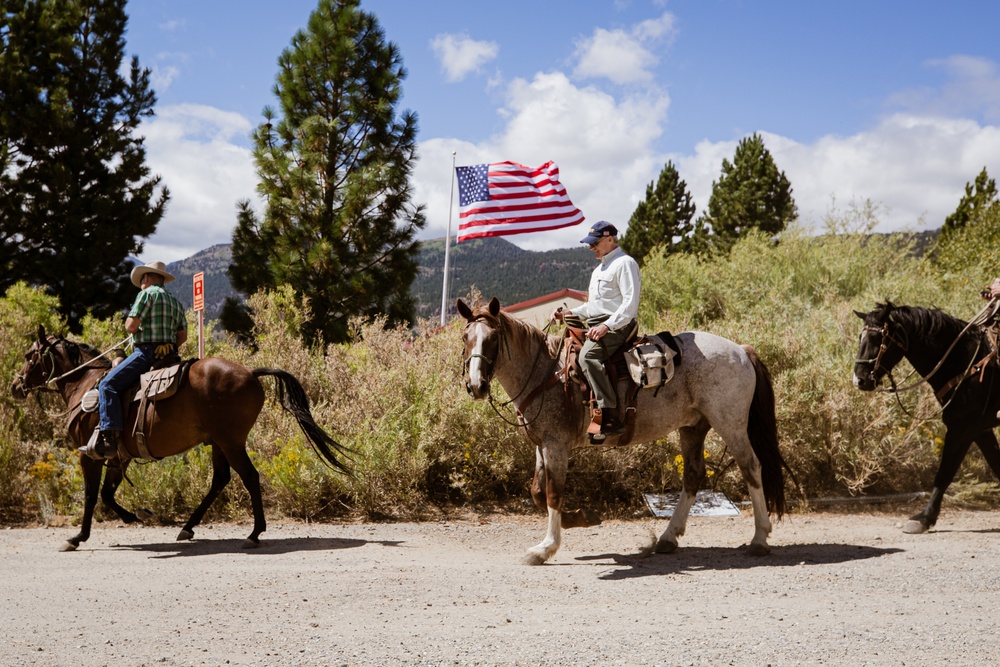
893, 102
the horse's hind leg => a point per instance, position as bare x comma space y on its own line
220, 478
742, 451
693, 452
240, 461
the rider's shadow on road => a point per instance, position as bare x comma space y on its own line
268, 547
689, 560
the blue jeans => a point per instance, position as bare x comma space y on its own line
118, 381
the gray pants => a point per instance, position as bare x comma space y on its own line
592, 358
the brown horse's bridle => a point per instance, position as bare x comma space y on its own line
39, 355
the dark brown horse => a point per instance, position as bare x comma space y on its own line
217, 405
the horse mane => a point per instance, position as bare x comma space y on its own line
79, 353
929, 321
525, 331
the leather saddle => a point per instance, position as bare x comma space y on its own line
617, 369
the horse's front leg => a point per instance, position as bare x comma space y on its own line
91, 487
550, 474
112, 480
956, 446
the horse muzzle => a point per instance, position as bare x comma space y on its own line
865, 383
17, 389
478, 392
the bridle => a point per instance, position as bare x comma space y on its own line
887, 339
40, 354
38, 357
504, 346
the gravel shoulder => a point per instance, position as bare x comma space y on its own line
838, 589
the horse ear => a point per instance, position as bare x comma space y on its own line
41, 334
859, 314
464, 310
494, 306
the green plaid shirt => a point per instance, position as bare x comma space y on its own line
160, 315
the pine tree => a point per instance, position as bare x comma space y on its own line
971, 231
663, 218
334, 168
750, 194
974, 203
76, 196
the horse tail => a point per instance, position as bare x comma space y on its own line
295, 401
762, 428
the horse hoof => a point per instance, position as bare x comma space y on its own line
666, 547
532, 559
144, 515
758, 549
251, 543
185, 535
914, 527
68, 546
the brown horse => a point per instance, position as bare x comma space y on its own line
218, 405
719, 385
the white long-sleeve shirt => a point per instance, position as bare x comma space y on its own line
614, 290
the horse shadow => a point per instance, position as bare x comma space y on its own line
692, 560
268, 547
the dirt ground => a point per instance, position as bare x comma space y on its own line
838, 589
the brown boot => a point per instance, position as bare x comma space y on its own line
108, 444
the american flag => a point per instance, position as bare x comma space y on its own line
508, 198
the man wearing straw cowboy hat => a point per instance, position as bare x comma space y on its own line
158, 326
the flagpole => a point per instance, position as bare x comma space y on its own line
447, 246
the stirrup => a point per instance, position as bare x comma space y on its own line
594, 428
96, 448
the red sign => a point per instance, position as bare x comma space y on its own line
199, 291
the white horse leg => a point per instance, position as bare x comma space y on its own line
739, 446
678, 523
693, 450
547, 548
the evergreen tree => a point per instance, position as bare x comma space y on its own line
334, 168
663, 218
974, 203
750, 194
76, 196
969, 234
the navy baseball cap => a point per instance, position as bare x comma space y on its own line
599, 231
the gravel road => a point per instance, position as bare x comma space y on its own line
838, 589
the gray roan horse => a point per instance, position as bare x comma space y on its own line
718, 384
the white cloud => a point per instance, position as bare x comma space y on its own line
193, 148
622, 56
914, 167
972, 88
461, 55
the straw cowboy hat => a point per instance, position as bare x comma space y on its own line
158, 268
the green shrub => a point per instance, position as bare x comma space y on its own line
420, 444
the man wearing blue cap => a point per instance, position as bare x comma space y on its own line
610, 312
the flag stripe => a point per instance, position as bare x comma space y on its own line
506, 198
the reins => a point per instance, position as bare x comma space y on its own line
87, 363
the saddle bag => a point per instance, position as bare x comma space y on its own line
650, 362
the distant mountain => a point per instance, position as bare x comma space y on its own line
497, 268
213, 262
494, 266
